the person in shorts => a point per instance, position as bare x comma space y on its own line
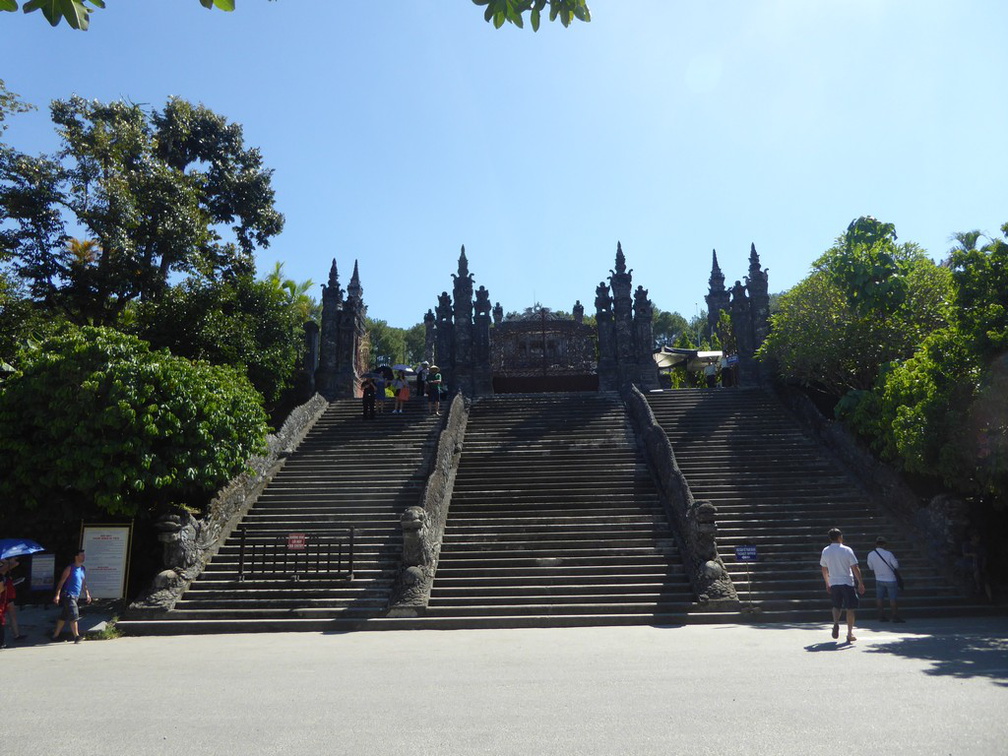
71, 584
884, 564
840, 571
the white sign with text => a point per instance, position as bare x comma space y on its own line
106, 558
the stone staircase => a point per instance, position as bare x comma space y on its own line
346, 473
776, 489
555, 521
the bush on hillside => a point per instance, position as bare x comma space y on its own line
95, 417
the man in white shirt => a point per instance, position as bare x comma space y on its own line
884, 564
840, 570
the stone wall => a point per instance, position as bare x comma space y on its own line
190, 542
424, 525
694, 522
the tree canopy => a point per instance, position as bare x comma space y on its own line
250, 325
93, 415
943, 412
77, 13
868, 301
153, 192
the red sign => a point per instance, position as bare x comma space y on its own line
296, 541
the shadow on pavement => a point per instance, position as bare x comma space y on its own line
830, 646
959, 655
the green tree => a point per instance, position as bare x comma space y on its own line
388, 343
77, 13
668, 327
253, 326
867, 302
153, 191
415, 342
943, 413
10, 104
304, 305
95, 416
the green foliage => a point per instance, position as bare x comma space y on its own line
296, 294
20, 319
867, 302
96, 416
77, 13
668, 327
943, 413
31, 225
388, 344
869, 268
499, 12
981, 297
415, 342
255, 327
153, 192
10, 103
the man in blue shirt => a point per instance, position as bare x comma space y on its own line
71, 583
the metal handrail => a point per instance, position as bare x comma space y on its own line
297, 556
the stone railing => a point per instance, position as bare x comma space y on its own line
695, 522
879, 479
190, 542
939, 525
424, 525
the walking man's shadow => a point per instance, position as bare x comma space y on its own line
830, 646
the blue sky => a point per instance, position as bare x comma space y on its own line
400, 130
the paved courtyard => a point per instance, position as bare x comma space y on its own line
930, 687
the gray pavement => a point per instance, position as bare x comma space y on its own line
927, 687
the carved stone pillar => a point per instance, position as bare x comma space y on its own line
430, 334
608, 379
444, 357
757, 284
647, 369
342, 333
741, 317
332, 306
462, 369
718, 299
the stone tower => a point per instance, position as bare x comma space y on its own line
462, 335
340, 361
757, 283
625, 331
750, 316
719, 298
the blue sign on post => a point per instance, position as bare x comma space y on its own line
746, 553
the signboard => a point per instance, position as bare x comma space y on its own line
43, 572
106, 554
296, 541
745, 553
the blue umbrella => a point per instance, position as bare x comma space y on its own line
12, 547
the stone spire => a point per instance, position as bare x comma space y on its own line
333, 289
620, 259
757, 282
340, 360
717, 278
463, 266
718, 298
355, 292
